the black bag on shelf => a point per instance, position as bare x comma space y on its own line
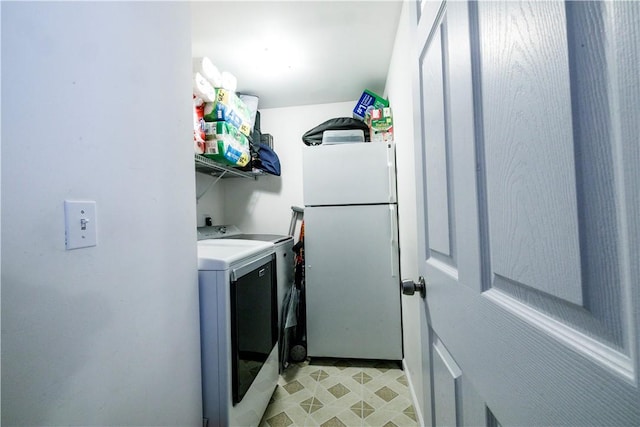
268, 160
314, 136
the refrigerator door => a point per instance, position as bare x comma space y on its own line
352, 282
349, 174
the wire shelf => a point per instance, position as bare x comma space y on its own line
206, 165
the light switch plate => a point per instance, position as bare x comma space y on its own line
80, 224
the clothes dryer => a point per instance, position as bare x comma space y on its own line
283, 245
238, 329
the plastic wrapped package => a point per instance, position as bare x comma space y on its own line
225, 144
198, 125
381, 125
229, 81
228, 107
203, 88
251, 101
211, 72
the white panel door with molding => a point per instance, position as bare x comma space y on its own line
529, 211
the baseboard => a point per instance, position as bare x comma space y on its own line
416, 406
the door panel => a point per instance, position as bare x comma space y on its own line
456, 402
447, 378
473, 408
546, 157
527, 126
528, 155
436, 158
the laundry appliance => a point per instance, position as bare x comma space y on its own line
283, 246
238, 329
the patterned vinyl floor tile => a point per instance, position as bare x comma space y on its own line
327, 392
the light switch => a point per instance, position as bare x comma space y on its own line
80, 224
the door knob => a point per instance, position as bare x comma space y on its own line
409, 287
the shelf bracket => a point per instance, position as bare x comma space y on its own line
211, 184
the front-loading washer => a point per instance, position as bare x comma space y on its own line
238, 329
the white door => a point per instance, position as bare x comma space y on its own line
529, 202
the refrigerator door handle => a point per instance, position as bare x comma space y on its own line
389, 169
391, 173
393, 241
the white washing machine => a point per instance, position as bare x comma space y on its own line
285, 260
238, 329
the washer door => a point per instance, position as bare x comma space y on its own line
254, 325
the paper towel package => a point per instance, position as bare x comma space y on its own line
251, 101
225, 144
211, 72
229, 81
203, 88
198, 125
228, 107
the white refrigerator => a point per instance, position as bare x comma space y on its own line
351, 251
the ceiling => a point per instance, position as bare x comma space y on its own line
298, 52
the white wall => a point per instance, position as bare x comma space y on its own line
264, 206
0, 223
96, 105
399, 91
210, 191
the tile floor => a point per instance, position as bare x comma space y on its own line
341, 393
